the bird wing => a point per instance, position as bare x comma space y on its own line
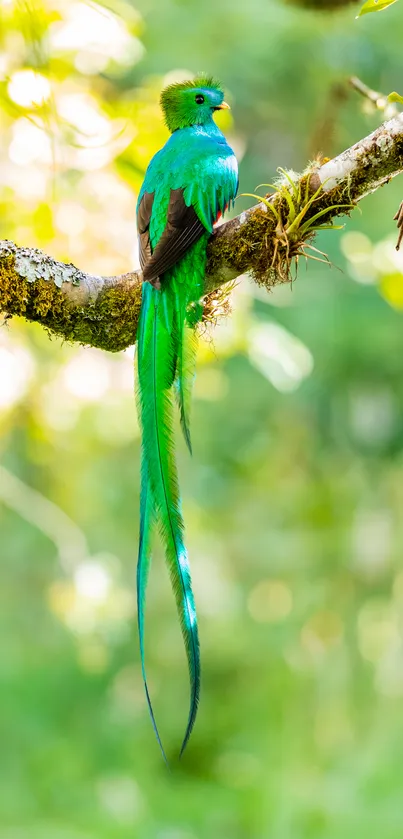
183, 228
193, 208
213, 188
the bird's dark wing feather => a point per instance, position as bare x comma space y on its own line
143, 227
182, 230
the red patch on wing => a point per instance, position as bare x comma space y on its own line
220, 215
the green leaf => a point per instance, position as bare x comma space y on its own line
375, 6
395, 97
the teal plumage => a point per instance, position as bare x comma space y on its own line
187, 186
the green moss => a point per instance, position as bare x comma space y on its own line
249, 247
112, 319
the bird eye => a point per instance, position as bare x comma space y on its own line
199, 99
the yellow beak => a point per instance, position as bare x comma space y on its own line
224, 107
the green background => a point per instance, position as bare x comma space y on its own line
293, 499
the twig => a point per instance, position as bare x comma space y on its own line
399, 218
379, 100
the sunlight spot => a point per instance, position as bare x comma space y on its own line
92, 581
87, 376
29, 144
27, 88
386, 258
86, 160
4, 60
356, 246
17, 369
90, 29
32, 189
358, 249
130, 352
71, 218
91, 62
81, 111
123, 378
279, 356
116, 420
59, 408
391, 288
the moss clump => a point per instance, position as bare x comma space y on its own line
271, 238
245, 247
217, 304
112, 319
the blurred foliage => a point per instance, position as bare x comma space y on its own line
336, 5
322, 5
375, 6
294, 497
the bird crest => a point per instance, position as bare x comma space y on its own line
191, 102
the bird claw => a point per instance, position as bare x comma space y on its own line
399, 218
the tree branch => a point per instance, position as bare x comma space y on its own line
103, 311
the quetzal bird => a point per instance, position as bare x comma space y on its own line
188, 185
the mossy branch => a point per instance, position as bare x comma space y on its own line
103, 311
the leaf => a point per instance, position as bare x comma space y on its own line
391, 287
261, 200
375, 6
395, 97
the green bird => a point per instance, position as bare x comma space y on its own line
188, 185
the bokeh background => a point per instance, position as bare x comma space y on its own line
294, 497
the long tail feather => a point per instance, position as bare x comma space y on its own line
143, 566
157, 358
143, 561
185, 372
186, 319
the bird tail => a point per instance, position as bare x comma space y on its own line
157, 360
143, 567
188, 313
185, 376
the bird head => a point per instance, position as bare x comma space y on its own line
191, 102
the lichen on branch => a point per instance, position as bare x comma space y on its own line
99, 311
